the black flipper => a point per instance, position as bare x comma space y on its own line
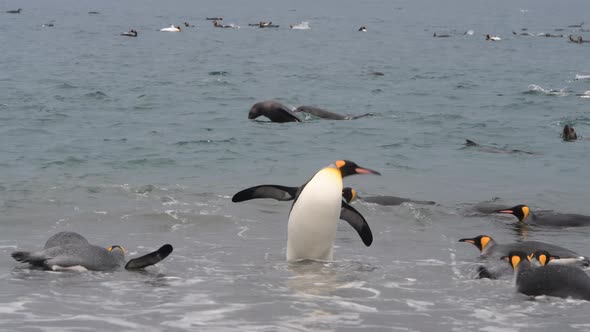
21, 256
484, 273
149, 259
362, 116
280, 193
470, 143
357, 221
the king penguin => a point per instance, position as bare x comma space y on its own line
317, 207
71, 251
489, 248
546, 218
551, 280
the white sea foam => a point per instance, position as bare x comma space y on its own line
550, 92
301, 26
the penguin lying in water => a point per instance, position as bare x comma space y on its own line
71, 251
489, 248
551, 280
349, 194
487, 207
546, 218
315, 212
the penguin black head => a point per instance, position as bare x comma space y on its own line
542, 257
481, 242
347, 168
349, 194
520, 211
515, 257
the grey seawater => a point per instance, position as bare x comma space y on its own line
143, 141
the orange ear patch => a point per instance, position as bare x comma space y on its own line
525, 212
340, 163
515, 260
484, 242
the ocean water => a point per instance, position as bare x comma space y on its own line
143, 141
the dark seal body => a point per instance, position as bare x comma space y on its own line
322, 113
273, 110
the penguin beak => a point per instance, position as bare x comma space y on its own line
362, 170
504, 211
467, 240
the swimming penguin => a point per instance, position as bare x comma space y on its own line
551, 280
130, 33
546, 218
273, 110
71, 251
171, 28
489, 248
14, 11
487, 207
363, 29
577, 40
350, 194
568, 133
315, 212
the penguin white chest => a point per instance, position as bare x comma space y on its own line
314, 217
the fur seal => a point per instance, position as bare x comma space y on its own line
569, 133
273, 110
492, 149
321, 113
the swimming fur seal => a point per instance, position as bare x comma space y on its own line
569, 133
492, 149
273, 110
321, 113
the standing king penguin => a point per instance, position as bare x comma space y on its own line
318, 206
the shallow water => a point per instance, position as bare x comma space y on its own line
143, 141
